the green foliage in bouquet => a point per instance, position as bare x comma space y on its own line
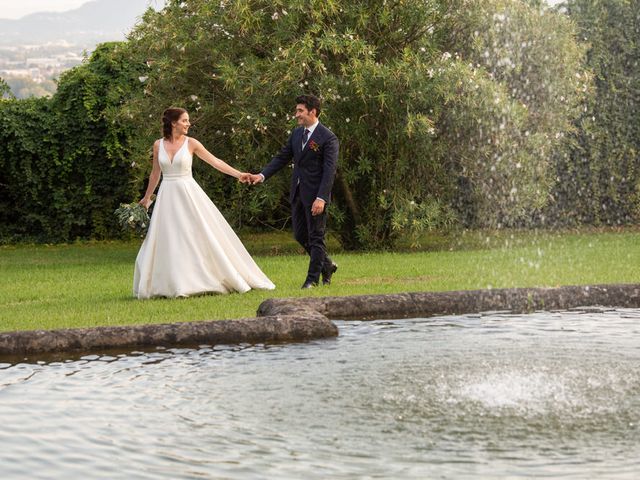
133, 217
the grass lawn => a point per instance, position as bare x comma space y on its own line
89, 284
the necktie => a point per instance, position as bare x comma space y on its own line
305, 137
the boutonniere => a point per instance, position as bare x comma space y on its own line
314, 146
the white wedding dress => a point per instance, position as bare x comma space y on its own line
190, 248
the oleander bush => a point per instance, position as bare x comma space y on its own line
430, 99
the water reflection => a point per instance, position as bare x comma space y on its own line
493, 395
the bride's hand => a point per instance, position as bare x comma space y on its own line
146, 202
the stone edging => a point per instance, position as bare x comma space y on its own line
268, 329
303, 319
428, 304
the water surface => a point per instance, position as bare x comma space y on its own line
549, 395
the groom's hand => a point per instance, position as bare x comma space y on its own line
255, 178
318, 207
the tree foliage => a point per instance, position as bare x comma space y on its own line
5, 89
64, 164
448, 111
531, 55
599, 180
432, 129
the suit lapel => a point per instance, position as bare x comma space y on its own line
314, 135
297, 142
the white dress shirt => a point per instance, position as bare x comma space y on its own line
311, 129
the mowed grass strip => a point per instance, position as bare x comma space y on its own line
89, 284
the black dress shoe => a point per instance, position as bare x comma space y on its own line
306, 285
327, 274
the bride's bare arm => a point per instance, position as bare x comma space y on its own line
154, 178
215, 162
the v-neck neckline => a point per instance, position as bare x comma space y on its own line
176, 152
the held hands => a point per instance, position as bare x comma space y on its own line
251, 178
244, 177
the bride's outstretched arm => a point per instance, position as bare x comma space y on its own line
215, 162
154, 178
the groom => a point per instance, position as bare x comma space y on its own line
314, 151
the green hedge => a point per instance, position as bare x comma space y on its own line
64, 163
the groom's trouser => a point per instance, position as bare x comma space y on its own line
309, 230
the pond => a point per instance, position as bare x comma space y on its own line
491, 395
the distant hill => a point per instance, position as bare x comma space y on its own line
94, 22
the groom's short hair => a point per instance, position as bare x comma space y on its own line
309, 101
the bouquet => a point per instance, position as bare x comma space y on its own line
133, 217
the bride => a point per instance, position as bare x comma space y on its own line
189, 248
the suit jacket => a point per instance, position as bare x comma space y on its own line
314, 166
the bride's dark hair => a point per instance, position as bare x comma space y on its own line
170, 115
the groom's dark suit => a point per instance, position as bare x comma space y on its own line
314, 169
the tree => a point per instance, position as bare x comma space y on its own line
531, 52
432, 129
64, 161
600, 176
5, 89
447, 111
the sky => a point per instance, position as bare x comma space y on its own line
19, 8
